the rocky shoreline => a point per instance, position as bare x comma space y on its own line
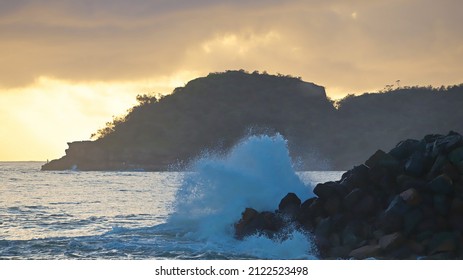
404, 204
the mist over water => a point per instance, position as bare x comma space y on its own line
257, 173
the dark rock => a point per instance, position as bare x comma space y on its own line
365, 206
457, 205
350, 235
391, 241
351, 199
405, 149
253, 222
441, 204
290, 205
439, 256
382, 159
401, 253
411, 196
451, 171
324, 227
332, 205
456, 156
383, 179
456, 222
443, 242
442, 184
445, 144
405, 182
415, 247
243, 226
392, 218
380, 210
397, 206
411, 220
356, 177
437, 166
341, 251
329, 189
431, 138
415, 164
366, 251
307, 213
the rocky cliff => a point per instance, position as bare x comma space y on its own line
213, 113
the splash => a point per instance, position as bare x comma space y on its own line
256, 173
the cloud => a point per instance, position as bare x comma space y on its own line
68, 66
345, 44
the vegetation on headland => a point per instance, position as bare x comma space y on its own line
214, 112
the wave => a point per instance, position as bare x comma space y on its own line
256, 173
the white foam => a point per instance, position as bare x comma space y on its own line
256, 173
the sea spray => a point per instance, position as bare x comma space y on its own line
256, 173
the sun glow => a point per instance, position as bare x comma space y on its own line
37, 121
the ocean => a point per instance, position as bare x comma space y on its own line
185, 215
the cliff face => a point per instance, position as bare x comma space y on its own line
214, 112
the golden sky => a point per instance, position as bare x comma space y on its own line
68, 66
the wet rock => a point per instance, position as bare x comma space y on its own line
456, 156
392, 218
356, 177
447, 143
366, 251
411, 196
382, 159
451, 171
391, 241
253, 222
332, 205
307, 213
290, 205
441, 204
366, 206
443, 242
324, 227
341, 251
442, 184
437, 166
243, 226
415, 164
405, 149
348, 237
403, 204
329, 189
411, 220
351, 199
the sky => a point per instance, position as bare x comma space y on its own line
67, 67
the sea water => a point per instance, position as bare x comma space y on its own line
186, 214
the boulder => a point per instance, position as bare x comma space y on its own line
411, 196
405, 204
456, 156
382, 159
411, 220
366, 251
443, 242
415, 164
442, 184
352, 198
356, 177
253, 222
290, 205
329, 189
405, 149
366, 206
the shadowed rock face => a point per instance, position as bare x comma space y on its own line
381, 209
213, 113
